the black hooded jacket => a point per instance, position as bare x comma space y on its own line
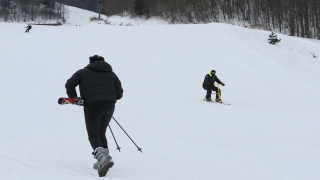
97, 83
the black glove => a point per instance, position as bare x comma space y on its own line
222, 84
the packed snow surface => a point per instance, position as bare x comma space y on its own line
270, 132
80, 17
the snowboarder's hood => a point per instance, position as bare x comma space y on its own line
100, 66
210, 74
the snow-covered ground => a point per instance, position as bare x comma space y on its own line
82, 17
270, 132
79, 17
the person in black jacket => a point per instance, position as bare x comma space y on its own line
28, 27
208, 84
100, 88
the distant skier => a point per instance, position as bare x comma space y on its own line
28, 27
208, 84
100, 88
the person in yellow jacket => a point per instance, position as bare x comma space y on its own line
28, 27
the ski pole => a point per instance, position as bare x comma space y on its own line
114, 138
139, 149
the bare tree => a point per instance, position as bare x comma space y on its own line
294, 17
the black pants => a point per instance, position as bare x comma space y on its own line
27, 30
209, 91
97, 120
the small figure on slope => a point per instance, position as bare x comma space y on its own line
100, 88
208, 84
273, 39
28, 27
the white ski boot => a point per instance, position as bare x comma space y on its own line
104, 162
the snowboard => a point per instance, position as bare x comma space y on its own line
74, 101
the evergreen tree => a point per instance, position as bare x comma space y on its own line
273, 39
139, 7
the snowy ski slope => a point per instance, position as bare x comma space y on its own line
270, 132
